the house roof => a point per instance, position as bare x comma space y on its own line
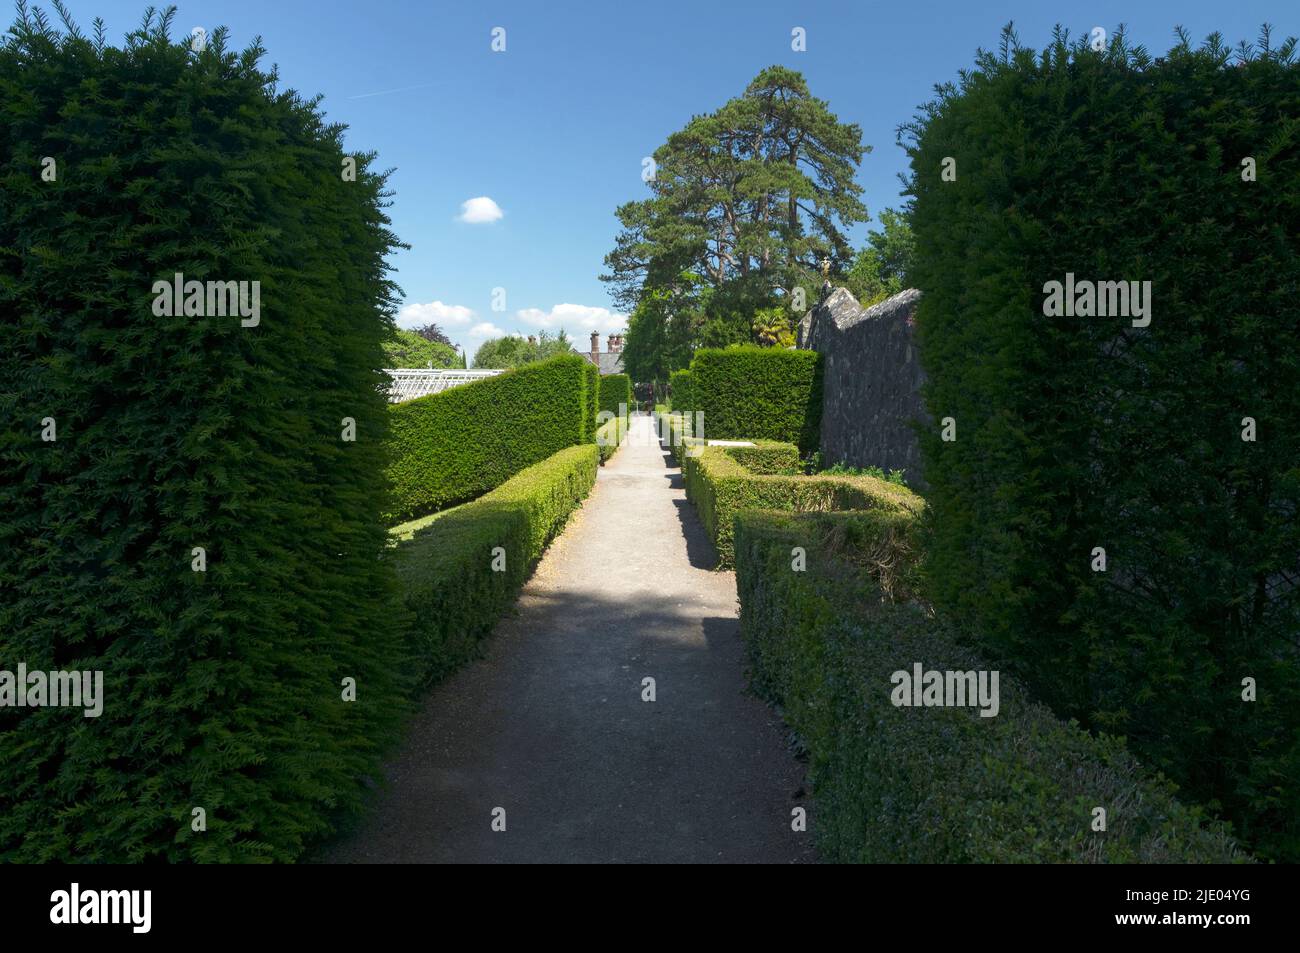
611, 362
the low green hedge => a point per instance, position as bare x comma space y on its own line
616, 389
675, 430
759, 392
768, 457
720, 486
610, 436
456, 445
679, 384
451, 594
938, 784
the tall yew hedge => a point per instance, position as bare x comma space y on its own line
1078, 433
752, 393
452, 446
615, 390
223, 689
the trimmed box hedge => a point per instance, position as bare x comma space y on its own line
1170, 441
456, 445
720, 486
675, 430
932, 784
451, 594
679, 385
610, 436
616, 389
748, 393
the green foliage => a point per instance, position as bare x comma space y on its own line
768, 457
753, 392
515, 351
431, 332
222, 688
616, 390
610, 436
721, 486
679, 383
939, 784
1083, 432
746, 202
660, 336
410, 350
843, 469
759, 189
881, 268
450, 592
458, 444
591, 399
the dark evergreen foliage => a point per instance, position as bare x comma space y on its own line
749, 393
223, 689
1081, 432
453, 446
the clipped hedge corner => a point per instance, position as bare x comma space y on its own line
721, 486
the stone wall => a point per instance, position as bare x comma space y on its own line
872, 381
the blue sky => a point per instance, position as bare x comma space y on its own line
554, 129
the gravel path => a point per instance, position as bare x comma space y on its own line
551, 725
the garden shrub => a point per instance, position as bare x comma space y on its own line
1078, 433
748, 393
768, 457
406, 349
610, 436
455, 445
450, 592
591, 394
223, 688
720, 487
933, 784
679, 385
616, 390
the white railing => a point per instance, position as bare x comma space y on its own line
409, 384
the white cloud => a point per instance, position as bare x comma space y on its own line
486, 329
434, 312
479, 211
573, 318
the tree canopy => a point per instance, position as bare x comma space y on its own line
410, 349
746, 202
515, 351
882, 267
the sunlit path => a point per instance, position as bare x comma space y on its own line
551, 725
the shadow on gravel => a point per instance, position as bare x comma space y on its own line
700, 550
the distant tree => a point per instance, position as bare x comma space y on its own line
882, 267
431, 332
745, 204
515, 351
409, 349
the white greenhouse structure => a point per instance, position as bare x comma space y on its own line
413, 383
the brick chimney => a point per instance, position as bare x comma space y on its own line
615, 343
595, 348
